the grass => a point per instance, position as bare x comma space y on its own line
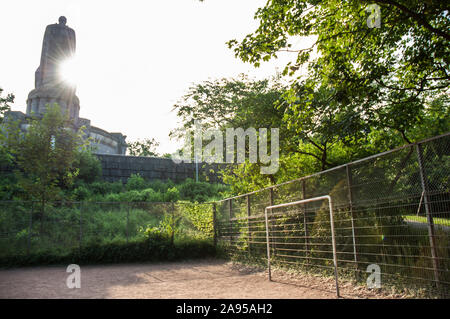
423, 219
105, 230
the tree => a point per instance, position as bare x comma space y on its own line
388, 75
146, 147
233, 102
4, 104
45, 155
5, 156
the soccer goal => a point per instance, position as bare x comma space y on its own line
304, 201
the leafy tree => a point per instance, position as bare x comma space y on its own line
383, 77
146, 147
5, 156
4, 104
45, 155
234, 102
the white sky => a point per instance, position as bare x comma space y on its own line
136, 58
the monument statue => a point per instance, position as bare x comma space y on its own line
58, 45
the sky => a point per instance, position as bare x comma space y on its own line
135, 59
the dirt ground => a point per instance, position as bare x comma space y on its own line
182, 280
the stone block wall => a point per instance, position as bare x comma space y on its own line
120, 167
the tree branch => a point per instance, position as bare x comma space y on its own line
417, 17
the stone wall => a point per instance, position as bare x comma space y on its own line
120, 168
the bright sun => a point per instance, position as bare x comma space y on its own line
68, 71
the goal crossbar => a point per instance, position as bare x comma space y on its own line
333, 239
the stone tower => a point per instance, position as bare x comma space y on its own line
58, 45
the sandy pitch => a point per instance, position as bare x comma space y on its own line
182, 280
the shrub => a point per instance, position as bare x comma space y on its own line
160, 186
172, 195
112, 198
154, 248
89, 167
104, 188
81, 193
195, 191
150, 195
136, 182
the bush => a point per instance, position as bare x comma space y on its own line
132, 196
150, 195
104, 188
160, 186
81, 193
172, 195
113, 198
154, 248
195, 191
136, 182
89, 166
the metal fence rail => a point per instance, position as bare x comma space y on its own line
390, 209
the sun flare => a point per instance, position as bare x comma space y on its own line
69, 71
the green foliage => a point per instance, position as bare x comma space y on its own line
234, 102
151, 195
4, 104
356, 91
196, 191
172, 195
155, 232
152, 249
200, 216
146, 147
167, 229
5, 156
104, 188
139, 190
89, 167
81, 193
160, 186
376, 76
45, 155
136, 182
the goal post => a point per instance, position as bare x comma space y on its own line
333, 239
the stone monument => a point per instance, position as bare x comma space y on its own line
59, 44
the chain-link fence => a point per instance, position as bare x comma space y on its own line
56, 229
391, 209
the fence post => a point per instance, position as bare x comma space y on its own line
214, 225
430, 222
248, 223
173, 222
352, 218
305, 221
128, 219
81, 227
272, 222
30, 229
231, 223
